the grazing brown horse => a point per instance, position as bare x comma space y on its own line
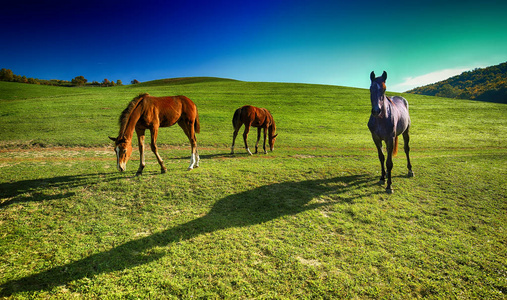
148, 112
389, 118
256, 117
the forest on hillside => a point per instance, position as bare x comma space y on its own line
9, 76
485, 84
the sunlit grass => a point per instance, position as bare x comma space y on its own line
307, 220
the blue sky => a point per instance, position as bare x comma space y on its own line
324, 42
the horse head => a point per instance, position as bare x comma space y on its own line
377, 93
123, 149
272, 140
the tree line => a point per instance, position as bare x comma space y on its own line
485, 84
8, 75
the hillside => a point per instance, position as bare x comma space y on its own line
96, 110
182, 80
308, 220
487, 84
302, 111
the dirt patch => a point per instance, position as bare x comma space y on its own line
303, 156
56, 154
309, 262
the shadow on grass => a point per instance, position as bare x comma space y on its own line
251, 207
220, 155
29, 190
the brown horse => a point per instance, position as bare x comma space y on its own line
256, 117
148, 112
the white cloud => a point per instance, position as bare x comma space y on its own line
413, 82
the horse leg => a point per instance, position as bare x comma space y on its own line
234, 135
264, 146
406, 139
196, 165
258, 139
245, 136
195, 153
381, 157
154, 133
194, 158
188, 127
140, 139
389, 163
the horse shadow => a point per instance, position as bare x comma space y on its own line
29, 190
243, 209
214, 155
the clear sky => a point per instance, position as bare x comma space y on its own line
315, 41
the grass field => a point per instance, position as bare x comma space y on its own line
305, 221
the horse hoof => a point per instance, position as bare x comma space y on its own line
389, 190
138, 174
381, 182
410, 174
164, 171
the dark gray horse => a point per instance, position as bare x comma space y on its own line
389, 118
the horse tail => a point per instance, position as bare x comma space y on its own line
395, 148
197, 124
236, 117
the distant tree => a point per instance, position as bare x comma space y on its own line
135, 81
6, 75
79, 81
118, 82
105, 82
448, 91
495, 95
112, 83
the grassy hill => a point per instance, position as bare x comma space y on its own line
85, 116
484, 84
182, 80
307, 220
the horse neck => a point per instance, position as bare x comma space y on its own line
129, 127
387, 107
272, 128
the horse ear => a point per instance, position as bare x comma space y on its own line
275, 135
384, 76
372, 75
112, 139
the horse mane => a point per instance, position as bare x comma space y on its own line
125, 115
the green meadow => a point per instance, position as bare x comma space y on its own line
308, 220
